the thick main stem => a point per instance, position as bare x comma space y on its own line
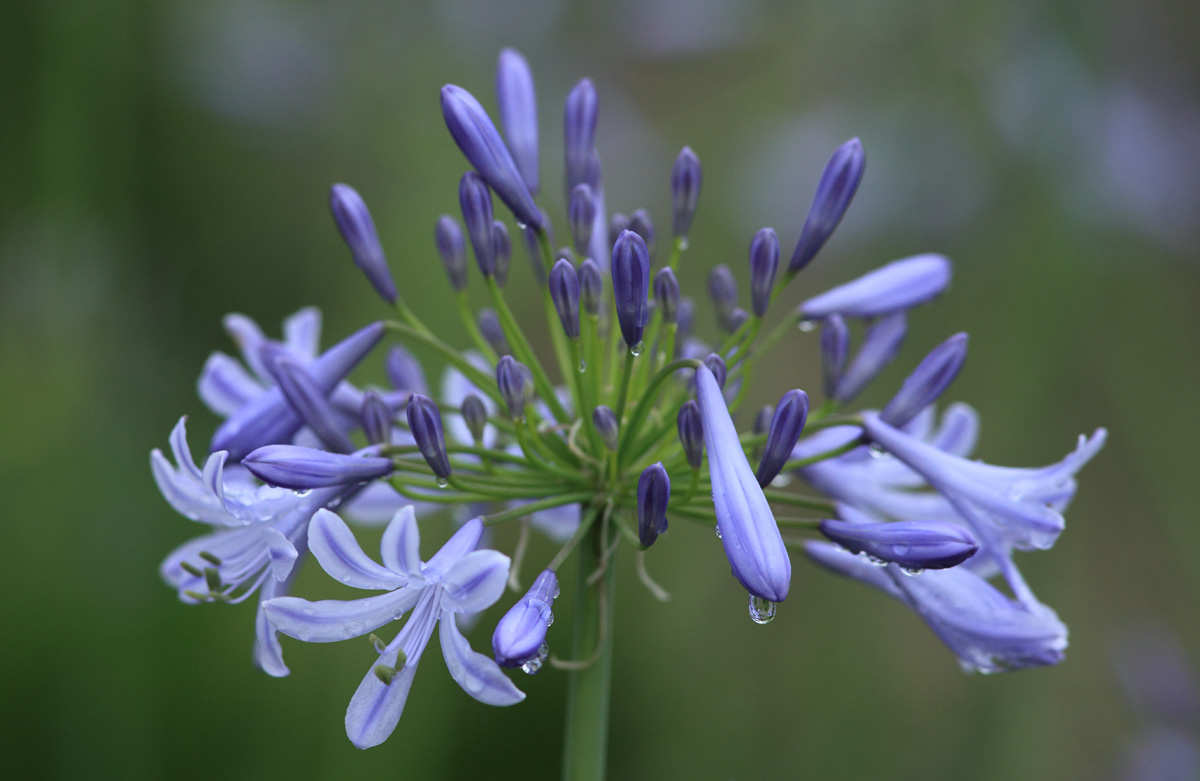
585, 745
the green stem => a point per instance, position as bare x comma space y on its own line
468, 319
528, 509
626, 373
524, 352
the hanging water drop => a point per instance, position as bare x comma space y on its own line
911, 571
582, 366
717, 529
534, 663
876, 450
303, 493
442, 482
761, 610
637, 349
806, 325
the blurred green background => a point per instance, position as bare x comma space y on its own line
163, 163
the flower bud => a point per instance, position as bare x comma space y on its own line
475, 415
425, 423
303, 468
880, 345
517, 101
581, 216
786, 426
579, 132
764, 262
501, 251
376, 418
564, 290
631, 284
520, 636
716, 364
591, 286
836, 189
927, 382
685, 190
691, 433
722, 290
358, 229
685, 319
404, 370
605, 421
617, 224
513, 381
666, 294
641, 224
476, 203
835, 344
493, 332
453, 251
654, 491
308, 401
914, 545
901, 284
737, 319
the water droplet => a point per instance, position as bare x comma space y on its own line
308, 611
877, 451
556, 592
717, 529
303, 493
549, 620
911, 572
878, 562
806, 325
683, 243
345, 578
521, 225
442, 482
637, 349
582, 366
534, 663
761, 610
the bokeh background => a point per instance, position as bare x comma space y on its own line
163, 163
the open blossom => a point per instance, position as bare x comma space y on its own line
457, 580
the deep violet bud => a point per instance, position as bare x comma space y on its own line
404, 370
591, 286
493, 332
716, 365
927, 382
501, 251
475, 415
517, 102
641, 224
880, 345
453, 250
901, 284
654, 491
579, 131
914, 545
581, 216
476, 136
535, 252
520, 636
376, 418
617, 224
666, 294
303, 468
723, 291
476, 202
691, 433
786, 426
309, 402
269, 419
685, 190
564, 290
358, 229
685, 319
631, 285
764, 262
762, 421
836, 189
835, 344
425, 422
737, 319
607, 427
513, 382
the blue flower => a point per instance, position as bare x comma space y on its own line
457, 580
901, 284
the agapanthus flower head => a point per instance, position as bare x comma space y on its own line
517, 101
839, 182
452, 249
425, 423
520, 636
764, 262
787, 423
358, 229
900, 285
686, 176
654, 491
564, 290
631, 285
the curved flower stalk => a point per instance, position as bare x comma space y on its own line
458, 579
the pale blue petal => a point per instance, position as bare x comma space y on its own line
376, 707
281, 551
302, 332
478, 675
401, 545
250, 340
225, 386
268, 654
340, 555
331, 620
459, 545
958, 431
476, 581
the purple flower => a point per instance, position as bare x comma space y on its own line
518, 114
666, 294
564, 291
579, 132
631, 285
686, 176
605, 421
764, 261
404, 371
879, 348
901, 284
927, 382
377, 417
493, 332
308, 401
452, 250
425, 422
581, 215
914, 545
723, 291
987, 630
591, 286
515, 384
303, 468
641, 224
520, 636
787, 423
654, 491
476, 136
458, 580
501, 251
691, 433
358, 229
839, 182
835, 344
748, 530
476, 202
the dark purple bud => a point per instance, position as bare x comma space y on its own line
476, 136
786, 426
654, 491
404, 370
303, 468
836, 189
513, 381
475, 415
607, 426
306, 398
581, 216
764, 262
520, 636
476, 202
617, 225
880, 345
640, 223
425, 423
501, 251
685, 190
723, 291
691, 433
631, 285
358, 229
685, 319
914, 545
564, 290
270, 420
666, 294
835, 344
927, 382
737, 319
517, 102
453, 250
579, 132
716, 365
376, 417
493, 332
762, 421
591, 286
